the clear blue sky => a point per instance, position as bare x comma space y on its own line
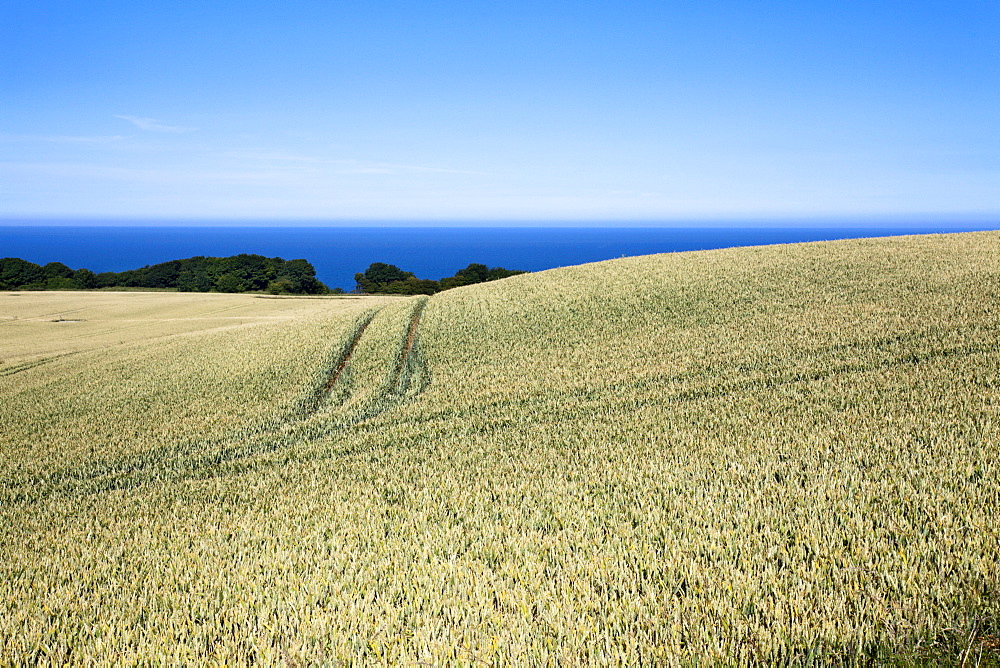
473, 110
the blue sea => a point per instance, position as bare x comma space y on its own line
429, 252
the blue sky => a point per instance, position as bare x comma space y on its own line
499, 111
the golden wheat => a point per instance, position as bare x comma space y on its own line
771, 454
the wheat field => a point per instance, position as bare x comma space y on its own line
782, 454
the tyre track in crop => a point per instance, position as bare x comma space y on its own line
45, 317
343, 358
405, 363
190, 460
583, 401
779, 380
335, 376
407, 366
24, 366
224, 309
401, 378
196, 461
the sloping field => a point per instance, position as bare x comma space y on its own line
784, 453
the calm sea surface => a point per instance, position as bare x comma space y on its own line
429, 252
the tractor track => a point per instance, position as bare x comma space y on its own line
346, 356
194, 461
399, 381
322, 393
25, 366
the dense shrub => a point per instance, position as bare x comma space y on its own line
381, 278
239, 273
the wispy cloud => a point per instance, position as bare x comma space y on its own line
60, 139
152, 125
632, 193
367, 170
343, 165
157, 177
270, 157
84, 140
356, 167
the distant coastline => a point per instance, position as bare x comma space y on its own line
429, 251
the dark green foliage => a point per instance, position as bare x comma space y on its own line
160, 275
379, 276
302, 276
229, 283
57, 270
380, 272
239, 273
411, 286
59, 283
85, 279
476, 273
107, 279
364, 286
194, 280
496, 273
281, 286
384, 278
17, 273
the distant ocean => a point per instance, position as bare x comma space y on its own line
429, 252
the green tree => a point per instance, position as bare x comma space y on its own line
254, 271
229, 283
363, 285
85, 279
163, 275
238, 273
380, 272
474, 273
410, 286
303, 275
378, 276
281, 286
57, 270
193, 281
497, 273
16, 273
107, 279
59, 283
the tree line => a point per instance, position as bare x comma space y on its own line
238, 273
382, 278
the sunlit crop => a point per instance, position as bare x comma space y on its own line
777, 454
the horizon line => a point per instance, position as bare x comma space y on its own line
784, 220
